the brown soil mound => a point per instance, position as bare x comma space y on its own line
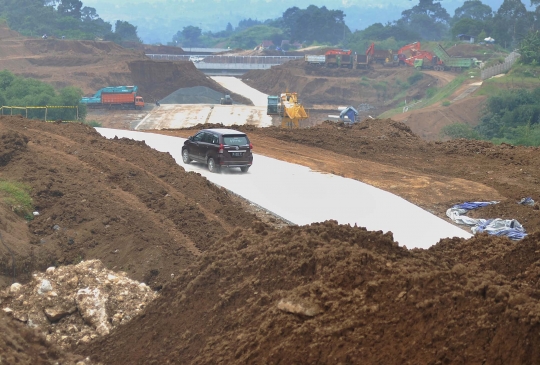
321, 87
92, 65
428, 122
336, 294
158, 79
21, 345
118, 201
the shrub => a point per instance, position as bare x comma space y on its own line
459, 130
414, 78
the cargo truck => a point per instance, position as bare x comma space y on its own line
443, 61
315, 59
115, 96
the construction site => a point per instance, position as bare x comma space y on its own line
130, 256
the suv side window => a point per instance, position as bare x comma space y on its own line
215, 139
208, 138
198, 137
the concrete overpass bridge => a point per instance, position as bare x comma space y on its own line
221, 65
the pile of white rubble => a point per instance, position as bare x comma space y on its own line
76, 303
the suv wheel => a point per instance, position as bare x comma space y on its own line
244, 168
185, 156
212, 166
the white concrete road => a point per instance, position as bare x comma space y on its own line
303, 196
177, 116
236, 85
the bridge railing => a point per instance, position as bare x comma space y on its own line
266, 60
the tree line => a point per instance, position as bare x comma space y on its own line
21, 92
63, 18
427, 20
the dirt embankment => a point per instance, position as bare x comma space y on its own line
92, 65
157, 79
118, 201
333, 294
322, 292
319, 87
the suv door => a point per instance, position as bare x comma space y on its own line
194, 148
206, 146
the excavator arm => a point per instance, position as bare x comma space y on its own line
370, 50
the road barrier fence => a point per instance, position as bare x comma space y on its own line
500, 68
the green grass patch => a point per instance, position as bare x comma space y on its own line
92, 123
437, 96
17, 196
519, 77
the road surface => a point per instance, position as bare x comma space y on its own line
304, 196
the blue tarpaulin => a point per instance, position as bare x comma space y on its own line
510, 228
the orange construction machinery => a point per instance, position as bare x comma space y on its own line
412, 52
345, 58
288, 107
386, 57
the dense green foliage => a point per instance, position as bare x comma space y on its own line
22, 92
530, 49
427, 20
460, 130
512, 116
310, 25
62, 18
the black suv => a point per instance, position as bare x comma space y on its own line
219, 148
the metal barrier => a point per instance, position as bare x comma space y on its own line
266, 60
501, 68
47, 107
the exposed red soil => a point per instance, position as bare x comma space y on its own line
97, 198
252, 292
336, 294
91, 65
19, 344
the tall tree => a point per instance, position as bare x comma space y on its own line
473, 9
432, 8
70, 8
126, 31
191, 35
429, 18
315, 24
511, 23
89, 14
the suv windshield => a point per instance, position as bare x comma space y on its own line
235, 140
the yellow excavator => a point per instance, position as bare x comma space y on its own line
287, 106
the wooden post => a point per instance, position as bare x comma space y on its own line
77, 112
45, 113
26, 109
